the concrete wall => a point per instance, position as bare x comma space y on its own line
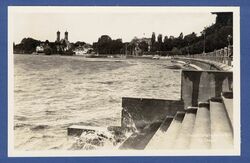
199, 86
140, 112
202, 64
206, 64
196, 86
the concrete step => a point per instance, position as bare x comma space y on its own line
200, 138
173, 130
183, 139
227, 98
221, 131
167, 139
156, 141
139, 140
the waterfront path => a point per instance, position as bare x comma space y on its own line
217, 65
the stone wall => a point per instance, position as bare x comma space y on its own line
139, 112
196, 86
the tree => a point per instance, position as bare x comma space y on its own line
181, 36
165, 39
153, 43
47, 50
27, 45
103, 44
116, 46
153, 38
106, 45
190, 38
176, 51
104, 39
130, 47
143, 46
79, 43
159, 38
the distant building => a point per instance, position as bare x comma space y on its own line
83, 50
62, 45
40, 48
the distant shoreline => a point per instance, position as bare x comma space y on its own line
95, 56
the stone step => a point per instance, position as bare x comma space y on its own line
200, 138
139, 140
173, 130
221, 131
156, 141
183, 139
167, 139
227, 98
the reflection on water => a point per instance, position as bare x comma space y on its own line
54, 92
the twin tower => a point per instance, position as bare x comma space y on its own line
66, 34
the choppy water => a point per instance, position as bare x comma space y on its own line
54, 92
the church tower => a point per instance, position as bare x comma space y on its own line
58, 36
66, 35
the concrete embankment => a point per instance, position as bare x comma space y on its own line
193, 122
201, 119
187, 65
204, 64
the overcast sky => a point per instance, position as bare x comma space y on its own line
88, 24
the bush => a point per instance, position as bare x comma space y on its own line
47, 51
176, 51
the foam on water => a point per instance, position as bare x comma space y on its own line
54, 92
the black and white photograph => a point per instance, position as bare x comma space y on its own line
123, 81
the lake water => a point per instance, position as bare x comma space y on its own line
54, 92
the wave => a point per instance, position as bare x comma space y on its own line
80, 92
39, 127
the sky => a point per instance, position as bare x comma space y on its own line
89, 23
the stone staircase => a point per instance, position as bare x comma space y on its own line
207, 126
202, 119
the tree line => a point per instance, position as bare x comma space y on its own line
105, 45
216, 36
29, 45
211, 38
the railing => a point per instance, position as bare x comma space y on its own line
224, 56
